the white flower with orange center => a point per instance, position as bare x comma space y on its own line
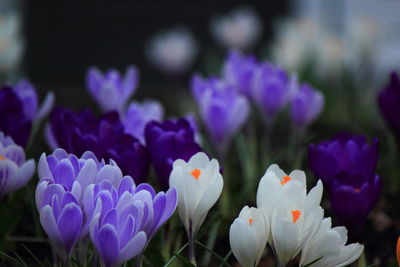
248, 236
199, 185
294, 216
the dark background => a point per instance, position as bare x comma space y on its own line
65, 37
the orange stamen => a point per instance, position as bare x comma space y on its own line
357, 190
196, 173
2, 157
296, 214
250, 221
285, 180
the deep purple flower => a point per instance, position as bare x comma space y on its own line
125, 217
110, 90
139, 114
272, 89
238, 71
222, 108
389, 102
168, 141
13, 120
15, 170
346, 165
61, 217
306, 105
30, 100
105, 137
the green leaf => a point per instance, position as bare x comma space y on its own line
226, 257
33, 255
175, 255
213, 253
184, 260
210, 242
10, 259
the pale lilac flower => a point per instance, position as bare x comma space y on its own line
172, 51
139, 114
307, 104
15, 170
111, 90
241, 28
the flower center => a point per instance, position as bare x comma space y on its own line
250, 221
357, 189
2, 157
196, 173
285, 179
296, 214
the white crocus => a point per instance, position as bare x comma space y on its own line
294, 216
199, 185
329, 249
248, 236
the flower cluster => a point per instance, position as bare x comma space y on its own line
84, 197
346, 165
291, 221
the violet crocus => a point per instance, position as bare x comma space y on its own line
306, 105
346, 165
13, 119
389, 101
222, 109
139, 114
61, 218
125, 218
272, 89
105, 137
110, 90
15, 170
30, 100
168, 141
239, 70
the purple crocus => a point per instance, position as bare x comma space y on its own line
13, 119
168, 141
110, 90
139, 114
389, 102
125, 217
239, 70
306, 105
346, 165
222, 109
15, 170
61, 217
105, 137
30, 100
272, 89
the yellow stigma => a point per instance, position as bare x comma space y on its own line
2, 157
285, 179
196, 173
296, 214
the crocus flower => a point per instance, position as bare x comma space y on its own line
248, 236
13, 119
241, 28
272, 90
168, 141
306, 105
30, 102
389, 100
222, 109
15, 170
329, 249
199, 185
238, 71
110, 90
346, 164
61, 217
294, 215
139, 114
172, 51
105, 137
